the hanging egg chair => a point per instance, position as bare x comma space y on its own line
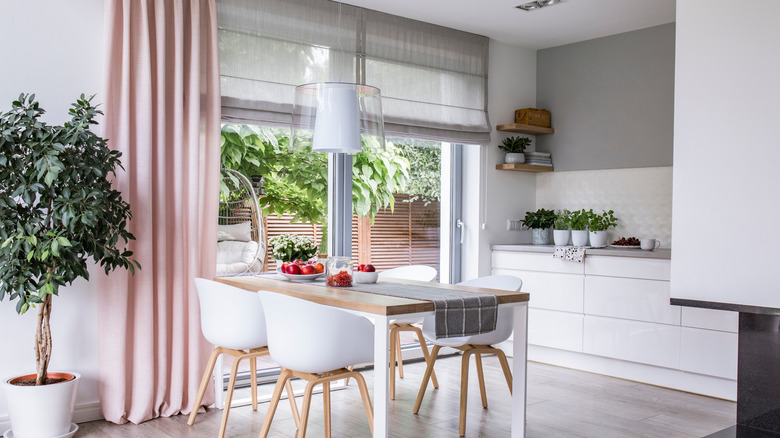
240, 235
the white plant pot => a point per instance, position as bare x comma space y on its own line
579, 237
598, 239
541, 236
561, 237
514, 158
41, 411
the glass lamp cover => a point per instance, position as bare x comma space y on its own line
335, 114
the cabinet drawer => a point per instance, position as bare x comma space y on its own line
555, 329
710, 319
550, 291
709, 352
643, 300
643, 342
534, 262
630, 267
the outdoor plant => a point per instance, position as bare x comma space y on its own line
578, 219
289, 247
561, 220
514, 145
57, 210
601, 222
540, 218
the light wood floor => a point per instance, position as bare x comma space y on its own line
561, 403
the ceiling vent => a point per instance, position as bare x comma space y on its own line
538, 4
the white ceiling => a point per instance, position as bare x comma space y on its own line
566, 22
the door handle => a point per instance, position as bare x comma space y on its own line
459, 223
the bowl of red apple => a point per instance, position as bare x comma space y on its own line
365, 274
301, 271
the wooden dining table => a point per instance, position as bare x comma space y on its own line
382, 309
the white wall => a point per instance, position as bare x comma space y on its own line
505, 194
55, 50
726, 152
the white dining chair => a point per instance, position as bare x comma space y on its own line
233, 320
473, 345
417, 273
316, 343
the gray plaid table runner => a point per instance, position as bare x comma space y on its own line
458, 313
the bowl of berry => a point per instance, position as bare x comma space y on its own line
365, 274
626, 242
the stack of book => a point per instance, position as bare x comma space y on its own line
538, 159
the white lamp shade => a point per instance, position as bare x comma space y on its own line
336, 114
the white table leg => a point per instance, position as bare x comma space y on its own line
381, 375
519, 370
219, 390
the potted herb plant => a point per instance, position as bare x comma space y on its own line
578, 222
561, 228
598, 224
514, 147
58, 210
539, 222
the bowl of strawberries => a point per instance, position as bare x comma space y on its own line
365, 274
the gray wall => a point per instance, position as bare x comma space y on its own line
611, 99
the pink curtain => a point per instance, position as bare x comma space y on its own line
163, 112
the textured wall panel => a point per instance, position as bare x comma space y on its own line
640, 197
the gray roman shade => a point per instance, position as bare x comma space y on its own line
433, 79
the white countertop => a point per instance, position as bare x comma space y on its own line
660, 253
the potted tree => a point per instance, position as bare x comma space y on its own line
578, 222
561, 228
539, 222
514, 147
598, 224
57, 211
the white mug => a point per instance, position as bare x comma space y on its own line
649, 244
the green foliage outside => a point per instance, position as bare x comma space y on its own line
296, 179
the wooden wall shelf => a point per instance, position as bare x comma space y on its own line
524, 167
524, 129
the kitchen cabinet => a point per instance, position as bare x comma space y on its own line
611, 315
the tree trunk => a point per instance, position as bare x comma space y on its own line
43, 340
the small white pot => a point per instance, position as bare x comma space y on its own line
579, 237
598, 239
514, 158
41, 411
561, 237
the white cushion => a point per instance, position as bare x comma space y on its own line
237, 257
241, 232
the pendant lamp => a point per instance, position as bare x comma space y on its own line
335, 115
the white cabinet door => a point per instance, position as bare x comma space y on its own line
550, 291
629, 267
641, 300
710, 319
643, 342
528, 261
709, 352
555, 329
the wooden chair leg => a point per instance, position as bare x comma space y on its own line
350, 368
284, 380
229, 396
428, 371
253, 378
505, 366
481, 377
464, 386
293, 405
204, 382
398, 357
307, 394
392, 362
366, 400
426, 354
326, 406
